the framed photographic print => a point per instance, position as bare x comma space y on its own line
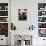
4, 29
3, 13
22, 14
41, 6
41, 25
13, 27
3, 19
41, 19
42, 32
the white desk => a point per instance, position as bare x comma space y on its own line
3, 40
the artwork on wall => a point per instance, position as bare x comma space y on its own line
3, 19
42, 19
3, 6
42, 32
22, 14
4, 29
41, 13
43, 25
13, 27
42, 6
3, 13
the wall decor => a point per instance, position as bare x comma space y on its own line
42, 19
41, 25
22, 14
41, 13
4, 29
3, 19
41, 6
13, 27
3, 6
42, 32
31, 27
3, 13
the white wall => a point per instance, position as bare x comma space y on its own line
31, 7
3, 1
32, 14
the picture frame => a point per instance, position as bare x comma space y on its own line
22, 14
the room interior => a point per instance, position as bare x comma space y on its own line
22, 22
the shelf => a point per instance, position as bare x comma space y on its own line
41, 10
41, 22
42, 16
41, 19
3, 10
41, 28
4, 19
3, 16
3, 22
